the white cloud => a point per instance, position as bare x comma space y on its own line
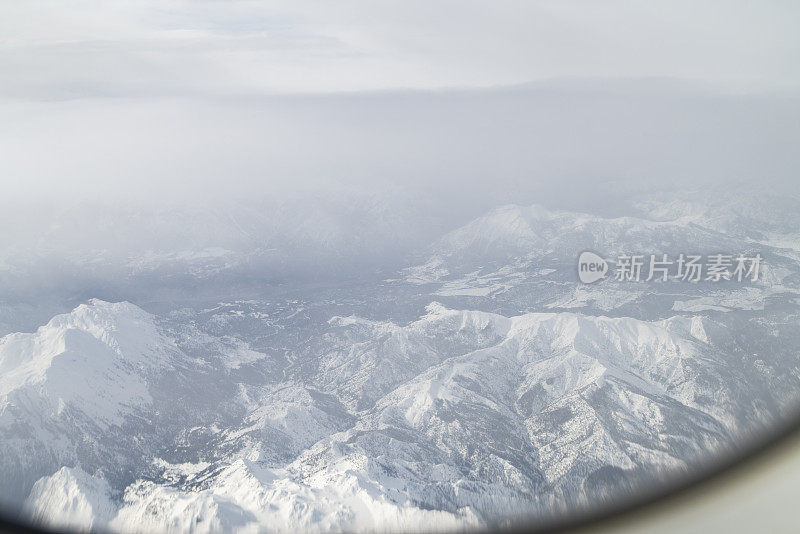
115, 97
78, 48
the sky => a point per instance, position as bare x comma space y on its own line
56, 49
114, 97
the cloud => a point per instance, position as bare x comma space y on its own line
87, 48
174, 97
489, 145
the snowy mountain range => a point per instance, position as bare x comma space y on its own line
479, 382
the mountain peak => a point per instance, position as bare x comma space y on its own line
98, 357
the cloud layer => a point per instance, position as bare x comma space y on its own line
175, 97
52, 49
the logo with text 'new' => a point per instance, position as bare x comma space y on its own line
660, 268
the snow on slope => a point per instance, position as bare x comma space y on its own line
455, 419
525, 257
542, 404
245, 497
371, 357
511, 231
239, 497
68, 390
70, 500
748, 213
94, 360
282, 421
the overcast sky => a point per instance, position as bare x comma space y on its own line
108, 95
68, 48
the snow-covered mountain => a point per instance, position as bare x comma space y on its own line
526, 258
457, 418
68, 389
101, 388
515, 232
484, 383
